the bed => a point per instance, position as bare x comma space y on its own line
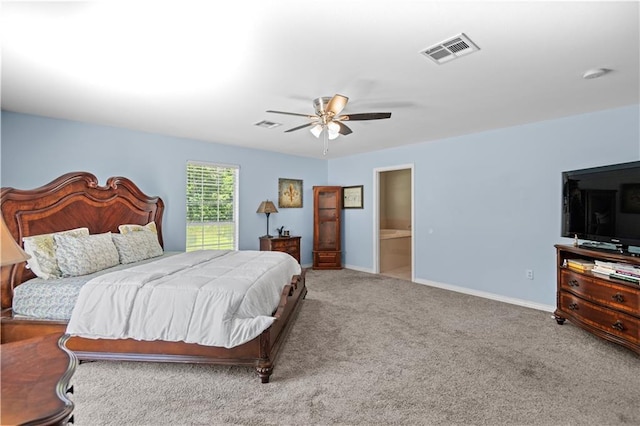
76, 200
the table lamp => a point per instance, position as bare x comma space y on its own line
10, 251
267, 208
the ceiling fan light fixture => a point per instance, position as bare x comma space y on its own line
316, 130
333, 127
332, 135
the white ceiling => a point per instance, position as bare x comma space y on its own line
210, 70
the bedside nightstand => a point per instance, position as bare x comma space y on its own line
289, 245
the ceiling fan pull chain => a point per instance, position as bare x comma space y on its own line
326, 141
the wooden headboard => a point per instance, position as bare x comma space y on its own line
71, 201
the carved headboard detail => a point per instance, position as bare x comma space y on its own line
71, 201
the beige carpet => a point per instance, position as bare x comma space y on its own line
373, 350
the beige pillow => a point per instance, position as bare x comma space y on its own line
43, 261
150, 227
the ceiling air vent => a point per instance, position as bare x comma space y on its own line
450, 49
267, 124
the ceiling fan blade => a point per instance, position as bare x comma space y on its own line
365, 116
337, 104
292, 113
344, 129
300, 127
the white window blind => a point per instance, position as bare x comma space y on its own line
212, 206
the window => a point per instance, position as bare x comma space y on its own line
212, 206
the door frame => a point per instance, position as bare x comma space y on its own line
376, 215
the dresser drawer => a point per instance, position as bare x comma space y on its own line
602, 291
602, 318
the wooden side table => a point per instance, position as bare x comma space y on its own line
289, 245
35, 380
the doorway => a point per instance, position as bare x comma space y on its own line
394, 222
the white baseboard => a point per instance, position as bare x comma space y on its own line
358, 268
492, 296
472, 292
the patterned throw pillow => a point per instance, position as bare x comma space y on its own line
135, 246
41, 248
125, 229
85, 254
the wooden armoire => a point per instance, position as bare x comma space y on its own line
327, 212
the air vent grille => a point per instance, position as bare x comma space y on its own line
450, 49
267, 124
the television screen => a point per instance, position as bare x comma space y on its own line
602, 204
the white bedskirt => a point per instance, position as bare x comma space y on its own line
209, 297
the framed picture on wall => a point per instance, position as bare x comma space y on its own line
352, 197
289, 193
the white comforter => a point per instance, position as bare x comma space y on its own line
210, 297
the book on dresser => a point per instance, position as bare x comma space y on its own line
580, 265
625, 277
622, 271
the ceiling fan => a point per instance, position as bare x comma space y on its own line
328, 120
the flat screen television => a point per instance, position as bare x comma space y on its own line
602, 205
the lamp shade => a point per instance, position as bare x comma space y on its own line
316, 130
10, 251
267, 207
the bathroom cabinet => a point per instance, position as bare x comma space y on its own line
327, 211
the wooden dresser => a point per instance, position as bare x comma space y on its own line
289, 245
607, 307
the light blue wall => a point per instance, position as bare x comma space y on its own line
36, 150
487, 205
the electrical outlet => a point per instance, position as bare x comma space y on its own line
529, 274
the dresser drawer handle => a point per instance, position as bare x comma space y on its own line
574, 283
618, 325
618, 297
573, 306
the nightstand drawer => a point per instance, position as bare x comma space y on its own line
284, 245
290, 245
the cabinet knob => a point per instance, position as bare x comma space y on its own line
573, 306
618, 325
574, 283
618, 297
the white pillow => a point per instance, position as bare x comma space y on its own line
85, 254
136, 246
41, 248
125, 229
